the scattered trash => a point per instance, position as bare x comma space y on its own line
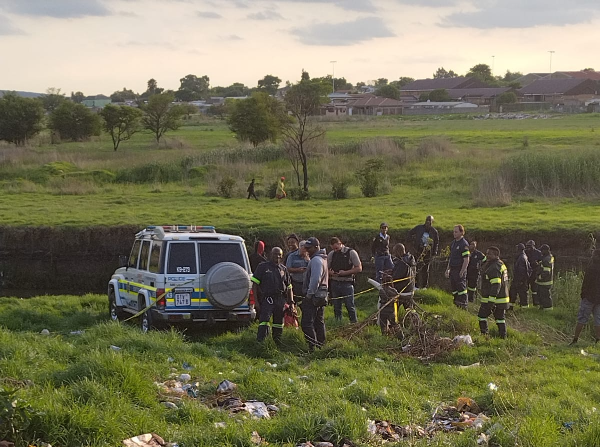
492, 387
256, 438
272, 365
226, 387
467, 404
187, 366
473, 365
76, 332
171, 388
170, 360
257, 409
220, 425
543, 357
483, 439
185, 377
146, 440
290, 380
379, 360
169, 405
568, 425
354, 382
303, 377
587, 354
115, 348
460, 340
316, 444
273, 408
45, 332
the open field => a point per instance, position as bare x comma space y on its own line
82, 392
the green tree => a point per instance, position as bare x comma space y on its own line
152, 89
52, 99
77, 97
482, 72
219, 110
442, 73
160, 115
511, 76
507, 98
74, 122
256, 119
121, 122
193, 88
270, 84
439, 95
402, 82
123, 95
20, 118
235, 89
302, 101
380, 82
388, 91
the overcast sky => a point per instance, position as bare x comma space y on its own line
99, 46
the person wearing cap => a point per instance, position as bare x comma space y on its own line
315, 282
403, 275
494, 292
590, 298
296, 263
535, 257
343, 264
520, 279
457, 267
473, 270
250, 190
425, 240
544, 278
292, 243
280, 194
380, 250
258, 256
273, 288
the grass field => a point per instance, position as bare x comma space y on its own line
81, 392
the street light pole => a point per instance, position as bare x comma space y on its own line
333, 75
493, 60
551, 53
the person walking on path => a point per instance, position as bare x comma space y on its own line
280, 194
343, 264
380, 249
315, 290
425, 239
520, 278
273, 287
473, 270
590, 299
250, 190
494, 292
457, 267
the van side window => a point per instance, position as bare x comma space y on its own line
154, 266
144, 255
182, 258
212, 253
135, 253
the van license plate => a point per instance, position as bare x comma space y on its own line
182, 299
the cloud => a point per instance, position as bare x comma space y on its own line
265, 15
57, 8
7, 28
344, 33
153, 44
234, 37
127, 14
520, 14
209, 15
350, 5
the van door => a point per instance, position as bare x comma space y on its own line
181, 276
127, 289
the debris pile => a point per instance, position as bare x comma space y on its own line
420, 339
147, 440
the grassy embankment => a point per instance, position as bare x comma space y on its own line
84, 393
430, 166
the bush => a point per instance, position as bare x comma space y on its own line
272, 190
298, 194
368, 177
151, 172
430, 147
226, 187
339, 188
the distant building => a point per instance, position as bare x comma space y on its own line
420, 86
96, 102
560, 91
374, 105
445, 107
485, 96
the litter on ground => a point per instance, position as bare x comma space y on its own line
147, 440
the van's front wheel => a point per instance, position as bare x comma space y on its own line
145, 317
116, 312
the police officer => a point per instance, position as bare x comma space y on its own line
520, 280
475, 261
545, 274
494, 292
273, 287
535, 257
457, 267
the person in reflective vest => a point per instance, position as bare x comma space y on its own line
545, 275
273, 287
494, 292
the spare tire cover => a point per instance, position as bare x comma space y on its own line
227, 285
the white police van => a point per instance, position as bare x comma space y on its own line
183, 275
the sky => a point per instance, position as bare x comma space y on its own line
100, 46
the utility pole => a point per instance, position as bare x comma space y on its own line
551, 53
493, 60
333, 75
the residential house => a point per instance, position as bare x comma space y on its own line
560, 93
530, 77
420, 86
442, 108
373, 105
96, 102
480, 96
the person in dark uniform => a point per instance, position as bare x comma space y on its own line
545, 276
273, 288
258, 256
403, 275
250, 190
457, 267
425, 240
535, 257
475, 261
387, 304
494, 292
380, 249
520, 278
343, 263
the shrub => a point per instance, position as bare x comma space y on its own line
151, 172
430, 147
226, 187
368, 177
339, 188
298, 193
272, 190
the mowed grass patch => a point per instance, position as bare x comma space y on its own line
83, 392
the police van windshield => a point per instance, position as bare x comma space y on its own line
212, 253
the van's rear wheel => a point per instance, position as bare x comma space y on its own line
116, 312
145, 317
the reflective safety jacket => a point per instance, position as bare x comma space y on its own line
545, 271
494, 283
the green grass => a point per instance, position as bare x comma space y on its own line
84, 393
